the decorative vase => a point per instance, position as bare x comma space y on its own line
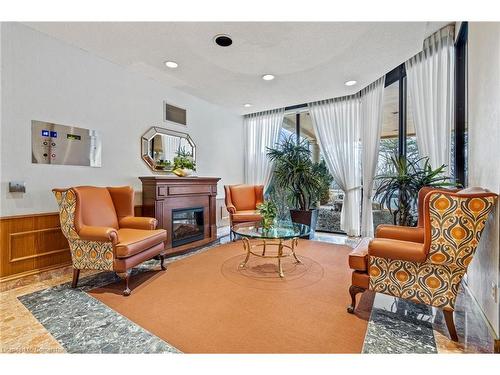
182, 172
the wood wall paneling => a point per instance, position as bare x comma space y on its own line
33, 243
30, 243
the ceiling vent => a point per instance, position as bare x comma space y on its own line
175, 114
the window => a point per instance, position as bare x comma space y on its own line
389, 145
459, 146
298, 123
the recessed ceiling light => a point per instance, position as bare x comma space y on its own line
223, 40
171, 64
247, 105
267, 77
350, 83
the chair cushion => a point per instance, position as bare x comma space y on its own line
246, 215
358, 258
397, 250
94, 208
243, 197
134, 241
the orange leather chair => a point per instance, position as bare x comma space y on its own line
427, 271
242, 201
103, 233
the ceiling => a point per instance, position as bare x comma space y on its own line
311, 60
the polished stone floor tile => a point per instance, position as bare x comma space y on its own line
81, 324
399, 327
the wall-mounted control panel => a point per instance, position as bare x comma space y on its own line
62, 144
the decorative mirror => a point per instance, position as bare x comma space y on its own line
162, 147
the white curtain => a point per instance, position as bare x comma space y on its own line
372, 100
337, 126
431, 84
262, 130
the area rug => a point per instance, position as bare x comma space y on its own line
206, 304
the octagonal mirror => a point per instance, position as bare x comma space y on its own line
160, 146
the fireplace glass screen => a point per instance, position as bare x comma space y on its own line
187, 225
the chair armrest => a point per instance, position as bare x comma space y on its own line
397, 250
358, 257
103, 234
231, 209
134, 222
396, 232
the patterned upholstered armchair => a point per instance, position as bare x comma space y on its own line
103, 233
430, 271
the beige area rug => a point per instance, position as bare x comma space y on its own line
206, 304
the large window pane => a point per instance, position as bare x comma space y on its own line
411, 139
389, 143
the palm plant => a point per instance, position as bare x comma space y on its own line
402, 183
295, 172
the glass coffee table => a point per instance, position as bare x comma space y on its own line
274, 238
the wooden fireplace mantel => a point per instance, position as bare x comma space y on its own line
162, 194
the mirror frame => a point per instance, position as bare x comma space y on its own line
150, 134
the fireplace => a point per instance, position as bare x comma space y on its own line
164, 197
187, 225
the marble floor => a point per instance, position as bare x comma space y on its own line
41, 314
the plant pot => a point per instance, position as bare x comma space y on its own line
309, 217
182, 172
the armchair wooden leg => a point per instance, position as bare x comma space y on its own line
450, 324
353, 291
162, 259
76, 275
125, 276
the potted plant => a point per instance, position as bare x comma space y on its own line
184, 163
300, 178
268, 211
397, 189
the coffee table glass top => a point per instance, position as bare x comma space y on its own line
282, 229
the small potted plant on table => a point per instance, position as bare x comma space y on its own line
268, 211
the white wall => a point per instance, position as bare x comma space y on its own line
48, 80
484, 156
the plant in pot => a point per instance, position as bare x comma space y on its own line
184, 163
300, 178
268, 210
397, 189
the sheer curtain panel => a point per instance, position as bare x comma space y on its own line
337, 126
430, 77
261, 130
372, 100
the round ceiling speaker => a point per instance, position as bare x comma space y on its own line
223, 40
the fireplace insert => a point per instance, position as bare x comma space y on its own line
187, 225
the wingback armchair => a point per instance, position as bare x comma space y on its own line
104, 234
242, 201
427, 271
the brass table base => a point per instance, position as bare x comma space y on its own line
264, 244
